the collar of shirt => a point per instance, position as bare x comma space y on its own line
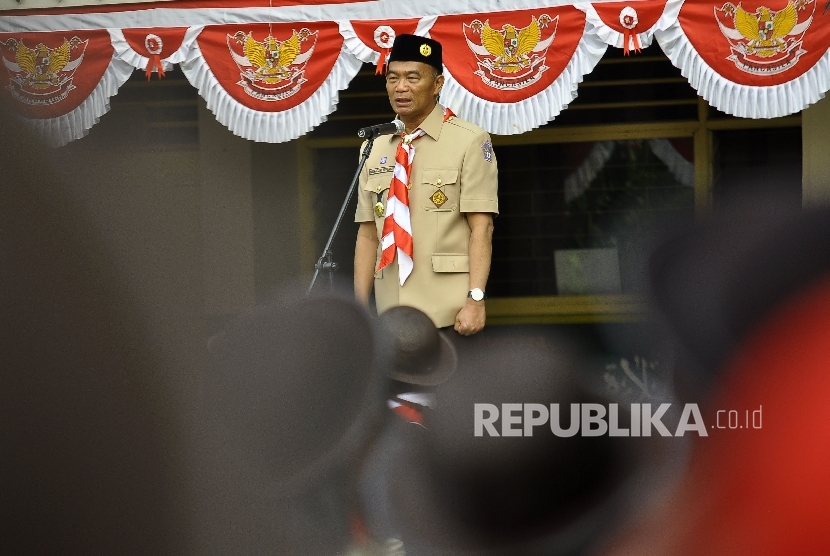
432, 125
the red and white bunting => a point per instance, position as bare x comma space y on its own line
271, 82
757, 59
61, 81
511, 65
513, 71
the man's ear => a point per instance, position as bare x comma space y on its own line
439, 83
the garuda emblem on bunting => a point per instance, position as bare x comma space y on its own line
765, 42
510, 58
272, 70
42, 76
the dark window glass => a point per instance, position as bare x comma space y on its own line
606, 199
757, 162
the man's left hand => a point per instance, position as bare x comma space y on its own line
470, 319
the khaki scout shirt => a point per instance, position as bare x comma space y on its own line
456, 157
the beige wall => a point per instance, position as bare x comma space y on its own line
251, 217
144, 201
227, 217
200, 231
197, 232
815, 133
178, 218
277, 215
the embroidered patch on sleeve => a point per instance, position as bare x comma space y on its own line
488, 151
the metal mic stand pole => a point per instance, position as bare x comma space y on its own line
326, 262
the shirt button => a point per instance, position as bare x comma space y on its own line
438, 181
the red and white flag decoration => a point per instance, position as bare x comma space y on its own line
61, 81
756, 59
154, 46
508, 71
271, 82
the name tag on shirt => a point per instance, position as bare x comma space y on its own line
381, 170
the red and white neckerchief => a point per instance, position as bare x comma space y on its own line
396, 238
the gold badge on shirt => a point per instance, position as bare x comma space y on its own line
438, 198
379, 209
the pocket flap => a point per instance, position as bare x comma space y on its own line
378, 182
439, 176
450, 262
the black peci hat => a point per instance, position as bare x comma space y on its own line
412, 48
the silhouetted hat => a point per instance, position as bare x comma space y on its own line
416, 352
292, 398
446, 491
296, 388
412, 48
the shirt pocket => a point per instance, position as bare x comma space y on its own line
377, 187
440, 189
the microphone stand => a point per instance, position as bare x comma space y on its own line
326, 261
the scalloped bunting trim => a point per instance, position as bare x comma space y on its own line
744, 101
77, 123
519, 117
270, 127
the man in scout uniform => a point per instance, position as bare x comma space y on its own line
426, 221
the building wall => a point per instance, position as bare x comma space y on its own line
277, 216
145, 202
227, 218
200, 225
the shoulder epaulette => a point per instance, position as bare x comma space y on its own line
463, 124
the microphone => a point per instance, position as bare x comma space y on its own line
395, 127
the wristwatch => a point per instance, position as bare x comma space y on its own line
476, 294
